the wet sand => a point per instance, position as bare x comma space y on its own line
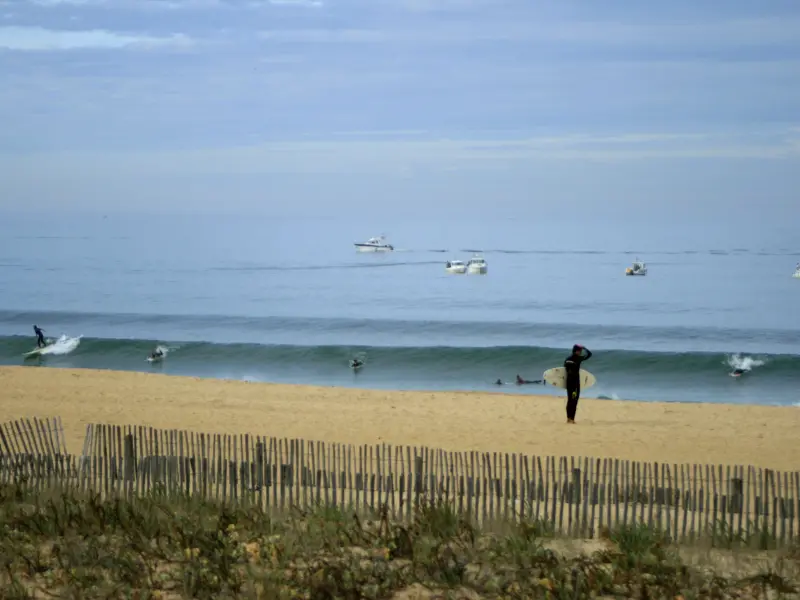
762, 436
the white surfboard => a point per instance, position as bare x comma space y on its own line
557, 377
38, 351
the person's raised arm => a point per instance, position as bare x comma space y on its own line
588, 354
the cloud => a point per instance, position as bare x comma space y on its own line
311, 3
33, 39
397, 156
738, 33
51, 3
170, 4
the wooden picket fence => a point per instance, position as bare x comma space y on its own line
33, 436
576, 496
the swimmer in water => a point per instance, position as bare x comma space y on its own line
356, 363
738, 372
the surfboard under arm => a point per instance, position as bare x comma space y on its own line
557, 377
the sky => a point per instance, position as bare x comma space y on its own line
514, 108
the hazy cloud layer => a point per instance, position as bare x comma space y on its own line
103, 90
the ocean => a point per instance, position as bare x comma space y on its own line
289, 300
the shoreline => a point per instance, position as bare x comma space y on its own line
738, 393
668, 432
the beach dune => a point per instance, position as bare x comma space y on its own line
725, 434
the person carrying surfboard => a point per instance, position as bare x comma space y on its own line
40, 341
573, 368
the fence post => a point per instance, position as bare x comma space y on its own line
260, 464
575, 496
129, 464
417, 479
736, 494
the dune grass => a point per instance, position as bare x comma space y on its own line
60, 543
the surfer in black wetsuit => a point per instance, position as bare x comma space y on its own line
573, 368
356, 364
40, 341
521, 381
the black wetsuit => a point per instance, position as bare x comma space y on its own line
40, 341
573, 368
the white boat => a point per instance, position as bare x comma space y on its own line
637, 268
455, 266
477, 266
374, 244
796, 273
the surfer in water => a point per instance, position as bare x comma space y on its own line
738, 372
573, 368
156, 354
521, 381
40, 341
356, 364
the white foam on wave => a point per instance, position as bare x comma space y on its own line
63, 345
746, 363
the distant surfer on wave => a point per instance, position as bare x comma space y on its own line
738, 372
40, 341
156, 354
356, 363
573, 368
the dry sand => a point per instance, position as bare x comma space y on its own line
649, 431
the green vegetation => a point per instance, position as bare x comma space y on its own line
60, 543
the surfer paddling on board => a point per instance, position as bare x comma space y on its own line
573, 368
521, 381
40, 341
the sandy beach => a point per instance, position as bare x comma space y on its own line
458, 421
